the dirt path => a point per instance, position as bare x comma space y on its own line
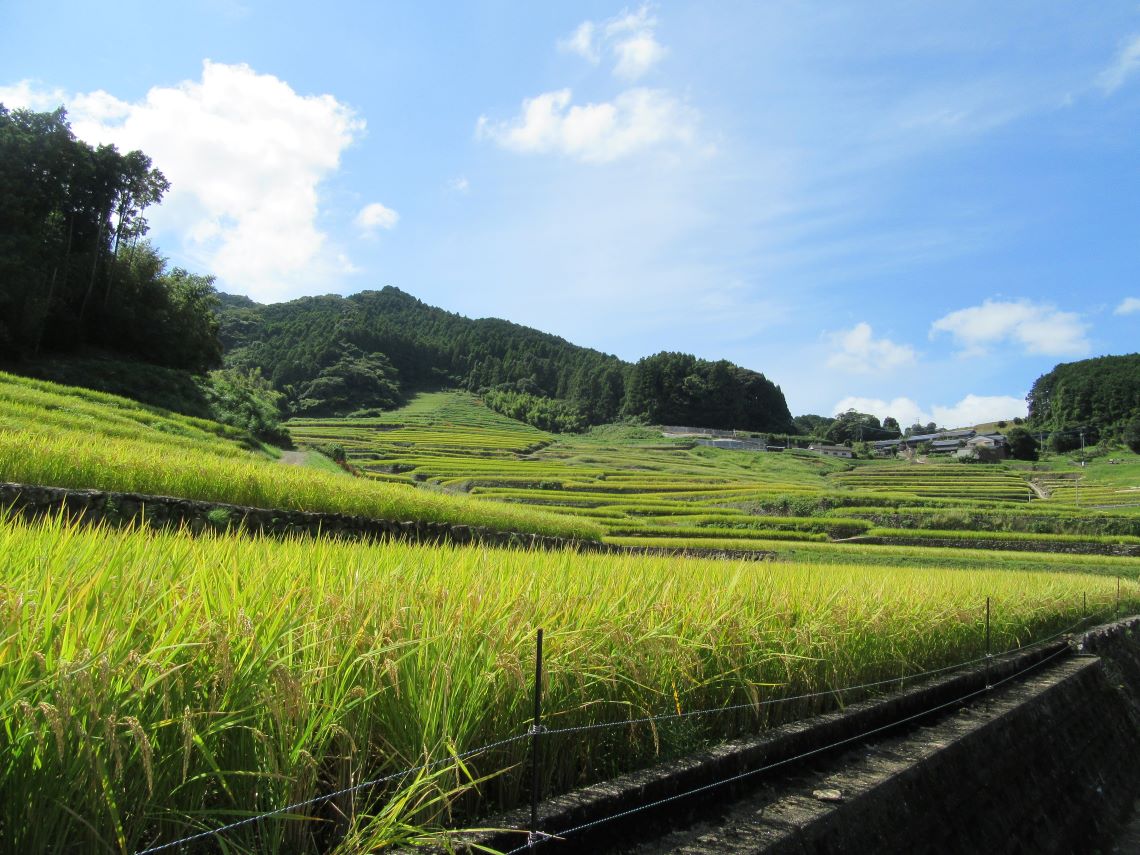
294, 458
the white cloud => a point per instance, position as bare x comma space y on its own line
460, 184
971, 410
1128, 306
245, 155
376, 216
858, 351
635, 120
633, 43
979, 409
1126, 63
1038, 327
581, 42
25, 94
636, 55
630, 38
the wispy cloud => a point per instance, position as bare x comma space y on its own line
1039, 328
1128, 306
245, 155
630, 37
1124, 65
583, 41
376, 216
636, 120
857, 351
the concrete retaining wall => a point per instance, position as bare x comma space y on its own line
1048, 765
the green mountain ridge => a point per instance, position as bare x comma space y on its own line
301, 347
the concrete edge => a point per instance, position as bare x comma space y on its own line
783, 743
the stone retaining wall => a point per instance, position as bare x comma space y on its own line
198, 516
163, 512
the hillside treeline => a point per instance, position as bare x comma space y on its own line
1100, 397
74, 268
531, 375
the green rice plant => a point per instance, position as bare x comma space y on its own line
55, 436
698, 533
449, 439
934, 534
153, 685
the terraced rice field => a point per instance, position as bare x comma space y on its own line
156, 684
1079, 489
643, 489
67, 437
939, 480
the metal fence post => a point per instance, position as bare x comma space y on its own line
535, 742
988, 684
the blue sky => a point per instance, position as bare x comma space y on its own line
910, 208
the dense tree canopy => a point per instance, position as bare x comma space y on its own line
1097, 395
679, 389
853, 426
546, 379
811, 424
355, 382
74, 270
1022, 444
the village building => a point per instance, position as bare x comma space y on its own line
832, 450
943, 442
735, 444
987, 446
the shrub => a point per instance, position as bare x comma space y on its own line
1022, 444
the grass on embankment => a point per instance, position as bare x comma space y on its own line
64, 437
156, 684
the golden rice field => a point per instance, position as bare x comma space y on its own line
153, 685
67, 437
643, 489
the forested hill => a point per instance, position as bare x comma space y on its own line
336, 354
1099, 395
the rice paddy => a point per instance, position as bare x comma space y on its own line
153, 685
156, 684
642, 488
66, 437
